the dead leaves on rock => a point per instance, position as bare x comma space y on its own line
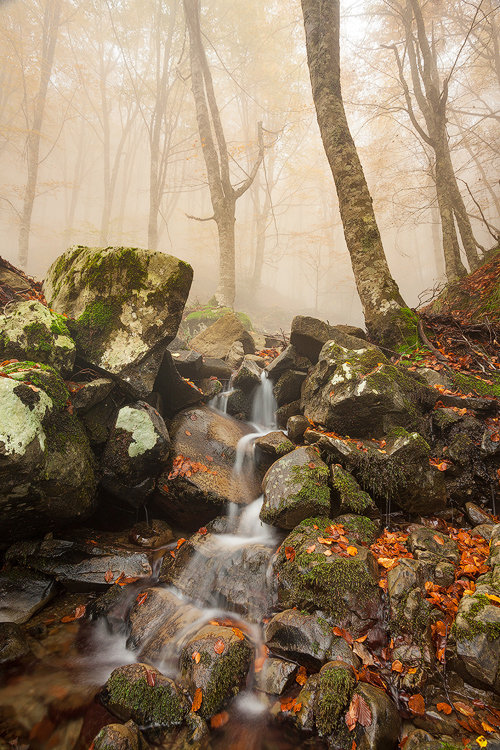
358, 713
184, 467
78, 613
197, 699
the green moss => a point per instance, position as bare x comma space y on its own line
124, 263
314, 484
285, 447
477, 386
94, 325
474, 626
158, 705
58, 325
335, 687
352, 497
210, 314
417, 626
363, 527
38, 337
227, 674
406, 321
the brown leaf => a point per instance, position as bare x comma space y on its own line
108, 576
464, 708
238, 633
445, 708
219, 720
80, 611
187, 433
416, 705
397, 666
150, 678
290, 553
358, 713
197, 699
219, 646
311, 549
438, 539
203, 531
196, 656
301, 677
142, 598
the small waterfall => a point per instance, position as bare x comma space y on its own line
219, 402
264, 405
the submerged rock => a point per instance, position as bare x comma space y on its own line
29, 331
23, 592
13, 645
46, 464
126, 305
120, 737
295, 488
195, 492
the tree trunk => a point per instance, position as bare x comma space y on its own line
50, 29
379, 293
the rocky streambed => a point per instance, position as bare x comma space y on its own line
232, 544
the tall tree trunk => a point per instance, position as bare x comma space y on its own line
379, 293
49, 40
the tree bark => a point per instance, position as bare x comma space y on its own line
49, 40
379, 293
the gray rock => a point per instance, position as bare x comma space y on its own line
217, 339
47, 466
222, 671
295, 488
385, 728
213, 367
289, 359
209, 388
247, 377
239, 405
275, 676
187, 362
433, 377
268, 448
152, 535
127, 304
13, 645
296, 427
149, 613
23, 592
288, 387
29, 331
120, 737
300, 637
284, 413
84, 396
359, 393
308, 336
477, 515
235, 355
98, 421
167, 641
423, 540
176, 392
138, 446
304, 717
485, 530
210, 440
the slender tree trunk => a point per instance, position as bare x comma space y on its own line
379, 293
50, 29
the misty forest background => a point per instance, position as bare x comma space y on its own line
99, 142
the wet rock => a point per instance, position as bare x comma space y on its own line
490, 444
47, 466
210, 440
195, 735
29, 331
270, 447
126, 304
217, 339
334, 691
141, 693
239, 405
284, 413
433, 378
152, 535
137, 447
212, 367
165, 642
176, 392
120, 737
247, 377
209, 388
80, 565
289, 359
275, 676
152, 607
296, 427
348, 496
359, 529
345, 588
300, 637
420, 740
295, 488
477, 404
99, 420
304, 717
23, 592
13, 645
359, 393
220, 672
423, 541
385, 728
113, 606
477, 515
485, 530
187, 362
84, 396
231, 576
288, 387
235, 355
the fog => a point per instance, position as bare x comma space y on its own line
120, 162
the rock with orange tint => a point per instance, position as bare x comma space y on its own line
120, 737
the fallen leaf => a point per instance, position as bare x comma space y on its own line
219, 720
358, 713
311, 549
238, 633
301, 677
108, 576
290, 553
327, 553
438, 539
481, 741
196, 656
197, 699
142, 598
180, 542
416, 704
150, 678
464, 708
397, 666
493, 598
203, 531
219, 646
188, 433
445, 708
352, 551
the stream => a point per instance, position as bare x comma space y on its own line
53, 699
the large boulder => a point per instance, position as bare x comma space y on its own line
46, 465
126, 305
29, 331
23, 592
357, 392
199, 479
295, 488
308, 335
217, 339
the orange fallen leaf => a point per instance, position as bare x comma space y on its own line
352, 551
203, 531
108, 576
464, 708
196, 656
219, 720
290, 553
197, 699
187, 433
180, 542
142, 598
311, 549
301, 677
397, 666
438, 539
297, 708
238, 633
445, 708
150, 678
416, 704
219, 646
327, 553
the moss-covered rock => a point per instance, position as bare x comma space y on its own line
30, 331
335, 688
141, 693
120, 737
310, 576
198, 320
47, 467
220, 672
360, 394
125, 304
349, 495
295, 488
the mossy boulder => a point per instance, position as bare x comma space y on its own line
137, 448
311, 576
225, 656
30, 331
125, 306
335, 688
198, 320
360, 394
348, 495
141, 693
120, 737
295, 488
46, 464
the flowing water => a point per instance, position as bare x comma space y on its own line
53, 700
